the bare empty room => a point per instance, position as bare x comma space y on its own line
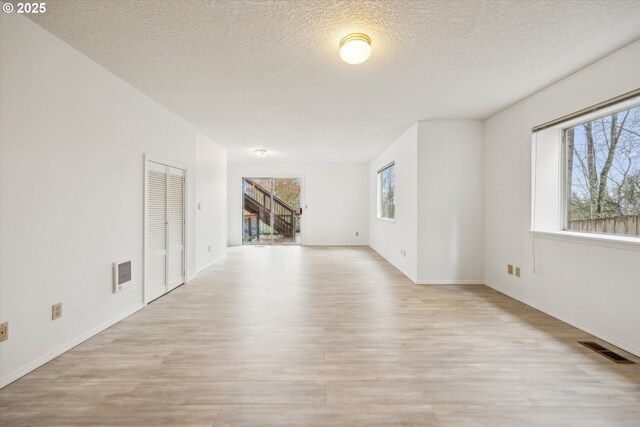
320, 213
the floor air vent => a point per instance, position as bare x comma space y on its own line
611, 355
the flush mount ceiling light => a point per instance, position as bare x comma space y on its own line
261, 152
355, 48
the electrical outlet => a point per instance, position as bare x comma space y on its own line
56, 311
4, 331
357, 234
509, 269
517, 271
209, 248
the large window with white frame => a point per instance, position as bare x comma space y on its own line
386, 192
602, 186
586, 171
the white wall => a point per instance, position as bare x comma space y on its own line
335, 195
391, 238
211, 202
72, 139
593, 286
450, 202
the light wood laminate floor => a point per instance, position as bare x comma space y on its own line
328, 336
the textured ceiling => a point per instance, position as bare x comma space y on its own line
267, 74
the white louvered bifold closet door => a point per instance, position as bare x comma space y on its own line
164, 230
155, 271
175, 230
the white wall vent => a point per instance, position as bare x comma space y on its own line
121, 275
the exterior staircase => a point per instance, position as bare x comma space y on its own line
258, 205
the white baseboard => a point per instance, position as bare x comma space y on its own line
307, 244
413, 279
451, 282
335, 244
207, 265
25, 369
605, 337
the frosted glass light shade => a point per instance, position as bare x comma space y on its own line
355, 48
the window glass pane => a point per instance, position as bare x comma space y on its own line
603, 174
391, 192
386, 192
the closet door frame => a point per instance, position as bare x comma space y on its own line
148, 158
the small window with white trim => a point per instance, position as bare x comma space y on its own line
386, 192
586, 172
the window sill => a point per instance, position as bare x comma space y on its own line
617, 242
393, 221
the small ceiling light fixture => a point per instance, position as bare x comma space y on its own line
355, 48
261, 152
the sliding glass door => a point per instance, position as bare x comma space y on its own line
256, 211
286, 211
271, 211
